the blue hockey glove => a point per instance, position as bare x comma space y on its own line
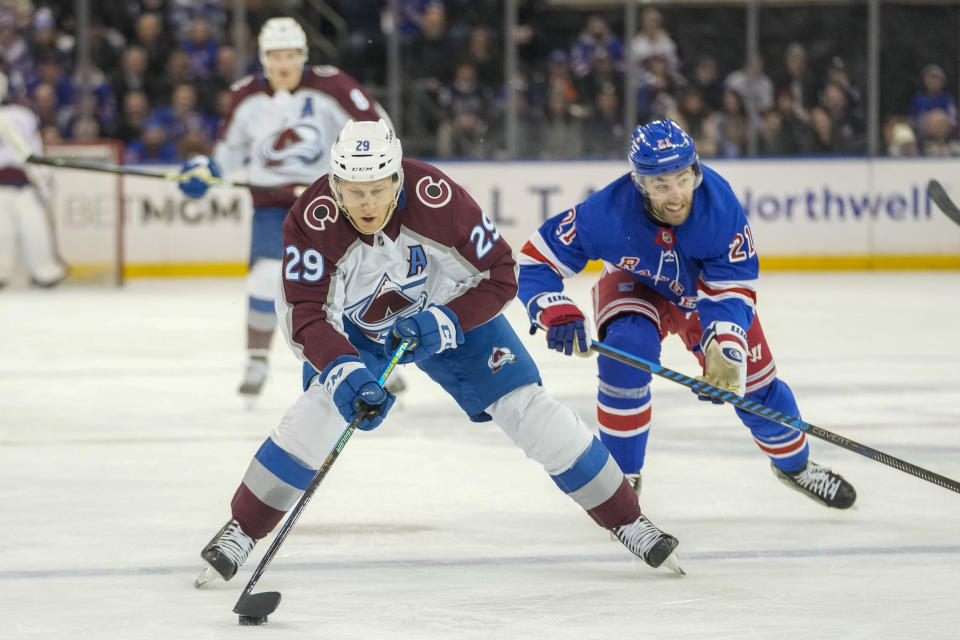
431, 331
354, 389
196, 175
563, 322
724, 347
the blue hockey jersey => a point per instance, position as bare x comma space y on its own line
708, 264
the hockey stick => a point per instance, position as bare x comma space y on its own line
771, 414
939, 195
254, 608
12, 138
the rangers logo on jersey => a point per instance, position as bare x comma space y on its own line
299, 144
378, 312
501, 356
320, 211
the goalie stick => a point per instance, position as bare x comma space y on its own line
253, 608
939, 195
12, 138
771, 414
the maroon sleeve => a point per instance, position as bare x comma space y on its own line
351, 95
462, 225
311, 253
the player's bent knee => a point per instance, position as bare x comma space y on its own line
310, 427
263, 281
546, 430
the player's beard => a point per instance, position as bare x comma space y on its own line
671, 218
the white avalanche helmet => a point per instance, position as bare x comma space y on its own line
281, 33
366, 151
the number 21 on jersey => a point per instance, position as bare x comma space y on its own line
742, 246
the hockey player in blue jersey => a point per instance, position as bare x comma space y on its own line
678, 258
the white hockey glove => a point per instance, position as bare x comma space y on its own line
563, 321
724, 347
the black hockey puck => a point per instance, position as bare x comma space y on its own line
252, 621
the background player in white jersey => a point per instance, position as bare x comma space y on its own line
279, 128
25, 192
679, 258
385, 248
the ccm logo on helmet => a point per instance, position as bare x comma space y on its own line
433, 193
320, 211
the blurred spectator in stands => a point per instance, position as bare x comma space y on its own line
602, 75
150, 36
182, 110
365, 41
95, 97
938, 135
695, 117
933, 96
136, 111
413, 15
196, 138
596, 35
794, 131
224, 75
824, 139
14, 50
85, 129
431, 54
51, 72
604, 135
151, 148
132, 76
847, 127
798, 80
838, 74
652, 40
655, 93
44, 42
733, 127
106, 45
485, 58
50, 135
201, 48
466, 104
900, 138
559, 133
45, 104
559, 78
182, 14
706, 78
771, 140
754, 87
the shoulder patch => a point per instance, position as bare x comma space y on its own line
325, 70
319, 212
432, 192
241, 83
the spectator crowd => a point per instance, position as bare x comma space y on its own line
160, 73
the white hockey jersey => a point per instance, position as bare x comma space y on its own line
26, 124
283, 138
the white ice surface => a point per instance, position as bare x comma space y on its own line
122, 440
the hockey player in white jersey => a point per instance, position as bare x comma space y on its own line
382, 249
279, 130
24, 193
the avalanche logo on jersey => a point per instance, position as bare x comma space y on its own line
501, 356
377, 313
433, 193
299, 144
319, 212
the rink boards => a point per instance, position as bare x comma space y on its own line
805, 214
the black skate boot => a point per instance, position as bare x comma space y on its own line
820, 484
649, 543
224, 554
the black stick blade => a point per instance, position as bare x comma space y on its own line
939, 195
257, 605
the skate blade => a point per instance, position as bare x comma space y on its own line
249, 401
207, 575
672, 562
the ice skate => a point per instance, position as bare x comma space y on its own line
649, 543
819, 483
224, 554
254, 376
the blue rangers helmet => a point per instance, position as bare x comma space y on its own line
662, 147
